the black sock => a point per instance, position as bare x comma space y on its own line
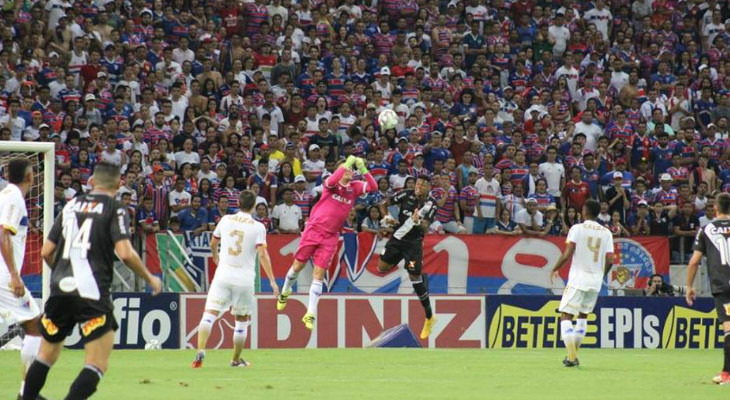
85, 384
422, 292
35, 379
727, 352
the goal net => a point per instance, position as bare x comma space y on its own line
39, 202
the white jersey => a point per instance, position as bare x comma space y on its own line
592, 243
240, 235
13, 218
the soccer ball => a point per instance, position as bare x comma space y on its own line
153, 345
387, 119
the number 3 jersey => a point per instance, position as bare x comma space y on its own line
714, 242
240, 235
85, 234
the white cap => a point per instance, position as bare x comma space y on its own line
313, 147
618, 174
666, 178
385, 71
300, 178
89, 97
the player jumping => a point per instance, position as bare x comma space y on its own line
15, 299
320, 237
417, 211
713, 241
591, 248
87, 230
241, 240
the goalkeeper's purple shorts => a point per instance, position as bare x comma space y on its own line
317, 245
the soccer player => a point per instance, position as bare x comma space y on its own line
591, 247
322, 232
15, 299
80, 250
713, 241
241, 240
417, 211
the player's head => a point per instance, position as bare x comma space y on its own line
107, 176
20, 171
722, 204
591, 209
247, 201
347, 177
423, 185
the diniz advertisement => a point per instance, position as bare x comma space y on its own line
617, 323
455, 264
343, 321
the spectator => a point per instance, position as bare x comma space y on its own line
505, 225
553, 172
616, 227
179, 198
287, 216
657, 287
572, 217
486, 209
618, 197
685, 226
194, 218
554, 224
530, 219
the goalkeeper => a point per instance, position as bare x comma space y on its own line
322, 232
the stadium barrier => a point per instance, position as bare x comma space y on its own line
617, 322
456, 264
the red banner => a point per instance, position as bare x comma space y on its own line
460, 264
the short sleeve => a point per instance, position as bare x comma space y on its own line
12, 216
398, 197
572, 235
120, 224
218, 229
55, 234
699, 244
431, 210
609, 245
261, 237
275, 212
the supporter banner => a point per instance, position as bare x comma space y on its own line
618, 322
142, 319
343, 321
455, 264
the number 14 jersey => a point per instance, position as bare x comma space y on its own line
85, 234
240, 235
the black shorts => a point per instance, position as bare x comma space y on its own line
62, 313
411, 253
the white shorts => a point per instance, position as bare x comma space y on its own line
14, 309
576, 301
222, 295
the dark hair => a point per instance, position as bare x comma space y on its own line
247, 200
722, 202
107, 174
594, 208
424, 178
17, 169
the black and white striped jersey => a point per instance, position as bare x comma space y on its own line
714, 242
85, 234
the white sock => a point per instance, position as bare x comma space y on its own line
567, 333
28, 352
291, 277
240, 332
580, 331
314, 292
206, 324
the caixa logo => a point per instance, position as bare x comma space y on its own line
142, 319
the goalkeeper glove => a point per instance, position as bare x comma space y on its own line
360, 164
351, 160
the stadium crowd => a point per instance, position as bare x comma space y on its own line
518, 111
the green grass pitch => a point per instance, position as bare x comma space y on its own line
392, 374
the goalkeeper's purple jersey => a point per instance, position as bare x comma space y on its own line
330, 212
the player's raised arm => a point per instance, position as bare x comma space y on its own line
371, 186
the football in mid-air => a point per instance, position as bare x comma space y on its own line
387, 119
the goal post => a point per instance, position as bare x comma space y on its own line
48, 164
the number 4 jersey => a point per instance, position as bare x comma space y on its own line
714, 242
240, 235
592, 243
85, 234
